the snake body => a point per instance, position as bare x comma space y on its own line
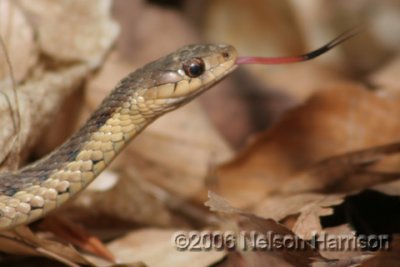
161, 86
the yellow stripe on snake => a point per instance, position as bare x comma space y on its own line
161, 86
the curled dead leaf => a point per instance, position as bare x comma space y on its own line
85, 34
336, 121
248, 223
344, 172
309, 207
22, 241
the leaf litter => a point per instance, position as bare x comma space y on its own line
332, 147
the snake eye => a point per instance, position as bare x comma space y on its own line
194, 67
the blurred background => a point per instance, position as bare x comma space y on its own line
254, 97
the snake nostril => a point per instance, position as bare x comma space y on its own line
225, 55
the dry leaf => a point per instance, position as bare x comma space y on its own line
386, 78
386, 258
54, 87
85, 34
343, 230
308, 206
342, 119
22, 241
18, 37
338, 173
252, 259
125, 197
47, 88
251, 223
154, 248
308, 223
72, 233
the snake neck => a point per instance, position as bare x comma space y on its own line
72, 166
33, 191
39, 188
104, 135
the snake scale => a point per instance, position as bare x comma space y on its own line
159, 87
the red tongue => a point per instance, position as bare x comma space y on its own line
310, 55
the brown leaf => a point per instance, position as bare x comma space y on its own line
390, 257
125, 197
54, 87
248, 223
308, 206
392, 188
335, 233
252, 259
342, 119
72, 233
47, 86
336, 173
85, 34
308, 223
22, 241
153, 247
195, 144
386, 78
18, 37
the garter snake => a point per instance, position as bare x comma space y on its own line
137, 100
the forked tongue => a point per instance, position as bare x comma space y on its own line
308, 56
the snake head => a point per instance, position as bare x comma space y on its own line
184, 74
